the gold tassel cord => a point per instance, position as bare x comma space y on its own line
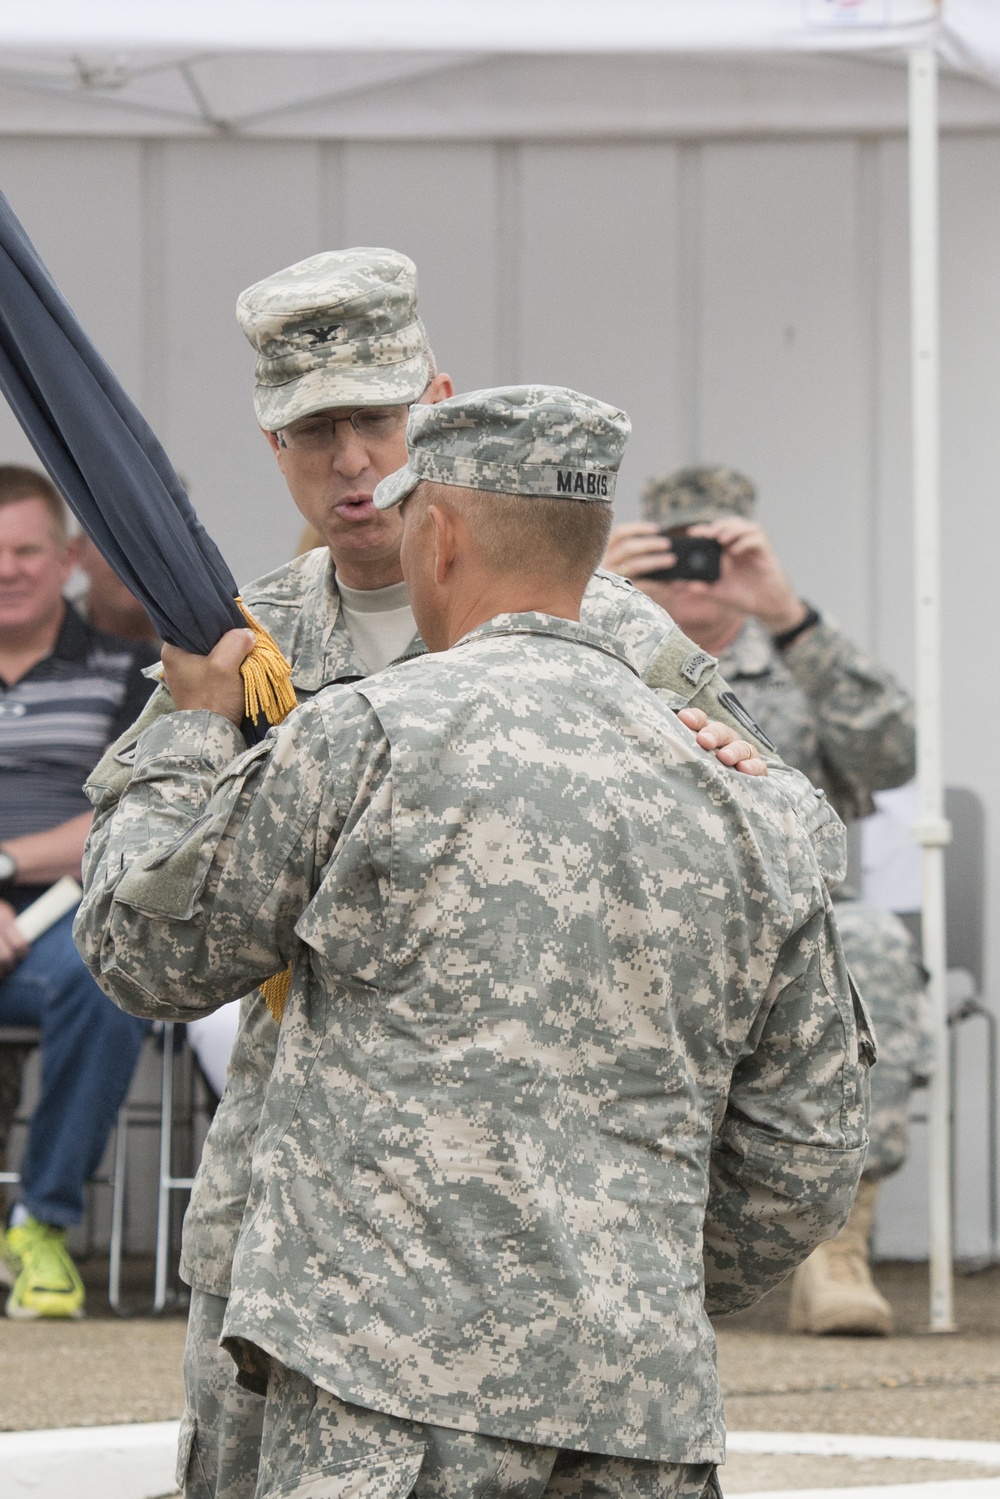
275, 992
267, 676
267, 686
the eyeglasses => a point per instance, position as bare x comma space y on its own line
318, 434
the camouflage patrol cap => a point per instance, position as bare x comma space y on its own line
689, 495
521, 439
338, 329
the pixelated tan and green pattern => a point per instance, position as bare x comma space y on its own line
338, 329
884, 965
686, 496
300, 606
525, 440
218, 1447
544, 948
832, 711
312, 1437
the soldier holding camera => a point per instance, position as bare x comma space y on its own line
832, 711
845, 721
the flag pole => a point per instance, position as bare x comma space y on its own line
931, 831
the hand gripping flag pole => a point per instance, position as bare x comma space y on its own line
121, 486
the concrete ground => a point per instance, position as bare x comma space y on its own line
106, 1370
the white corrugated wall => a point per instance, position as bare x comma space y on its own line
744, 299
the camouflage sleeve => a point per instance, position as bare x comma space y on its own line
685, 676
788, 1155
864, 717
817, 818
210, 859
113, 771
112, 774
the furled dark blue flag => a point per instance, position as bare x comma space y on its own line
104, 458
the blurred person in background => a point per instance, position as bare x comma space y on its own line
66, 690
847, 723
107, 603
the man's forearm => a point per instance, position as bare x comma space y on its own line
864, 717
43, 858
192, 894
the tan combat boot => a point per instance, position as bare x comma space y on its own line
833, 1291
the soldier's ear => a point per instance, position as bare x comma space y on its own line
441, 388
445, 541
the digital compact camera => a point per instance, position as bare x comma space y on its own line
698, 557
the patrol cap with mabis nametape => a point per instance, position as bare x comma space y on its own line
688, 496
525, 440
338, 329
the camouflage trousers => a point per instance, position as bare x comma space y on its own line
219, 1448
316, 1447
884, 966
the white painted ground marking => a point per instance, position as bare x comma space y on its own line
955, 1488
137, 1462
89, 1462
827, 1444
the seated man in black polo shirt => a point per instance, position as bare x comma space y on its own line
66, 690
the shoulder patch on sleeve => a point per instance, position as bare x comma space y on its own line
693, 667
677, 666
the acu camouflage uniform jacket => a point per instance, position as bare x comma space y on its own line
568, 1010
833, 712
300, 606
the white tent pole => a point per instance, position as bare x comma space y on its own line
931, 831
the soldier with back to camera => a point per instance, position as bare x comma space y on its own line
844, 721
334, 413
570, 1048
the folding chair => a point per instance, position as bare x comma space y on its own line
31, 1037
163, 1116
965, 914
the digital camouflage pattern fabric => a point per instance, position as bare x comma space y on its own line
299, 605
687, 496
539, 939
832, 711
338, 329
848, 725
218, 1449
312, 1437
883, 964
526, 440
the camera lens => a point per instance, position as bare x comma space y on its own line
701, 559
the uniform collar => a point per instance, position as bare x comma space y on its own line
336, 660
535, 623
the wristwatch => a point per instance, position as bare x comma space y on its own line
785, 639
8, 869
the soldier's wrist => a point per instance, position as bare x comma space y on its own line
782, 639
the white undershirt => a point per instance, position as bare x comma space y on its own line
379, 621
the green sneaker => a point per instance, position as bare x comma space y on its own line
8, 1265
48, 1283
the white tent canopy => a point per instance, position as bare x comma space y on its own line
313, 67
307, 67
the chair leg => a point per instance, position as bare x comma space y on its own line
166, 1156
118, 1211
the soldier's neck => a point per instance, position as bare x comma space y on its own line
484, 601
